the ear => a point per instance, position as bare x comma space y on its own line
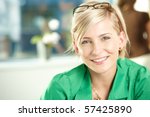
75, 47
123, 40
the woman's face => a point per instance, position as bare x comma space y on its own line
99, 47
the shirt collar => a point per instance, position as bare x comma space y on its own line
85, 91
119, 88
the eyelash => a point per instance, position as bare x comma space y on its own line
85, 42
103, 39
106, 38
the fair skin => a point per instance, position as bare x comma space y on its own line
99, 50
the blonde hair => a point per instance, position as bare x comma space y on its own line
82, 20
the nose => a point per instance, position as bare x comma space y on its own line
97, 48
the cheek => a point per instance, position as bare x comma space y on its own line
112, 47
84, 52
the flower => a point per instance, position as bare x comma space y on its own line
52, 38
48, 39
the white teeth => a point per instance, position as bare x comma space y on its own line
100, 60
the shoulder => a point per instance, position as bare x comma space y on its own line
137, 78
128, 63
71, 79
65, 85
144, 16
133, 70
73, 74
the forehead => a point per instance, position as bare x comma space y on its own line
104, 26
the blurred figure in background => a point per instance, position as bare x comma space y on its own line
137, 28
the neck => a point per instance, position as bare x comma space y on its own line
104, 79
102, 82
127, 8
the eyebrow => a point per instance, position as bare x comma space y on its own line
104, 34
101, 35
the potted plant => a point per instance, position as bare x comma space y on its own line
48, 39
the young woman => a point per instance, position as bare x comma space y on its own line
99, 37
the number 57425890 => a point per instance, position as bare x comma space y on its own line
107, 109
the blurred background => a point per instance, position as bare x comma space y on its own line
34, 34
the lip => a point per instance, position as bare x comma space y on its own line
100, 60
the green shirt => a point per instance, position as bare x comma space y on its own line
132, 82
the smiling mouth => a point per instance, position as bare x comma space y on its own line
100, 60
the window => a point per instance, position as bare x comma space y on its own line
25, 22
